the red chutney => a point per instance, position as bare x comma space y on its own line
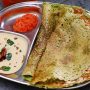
10, 2
25, 23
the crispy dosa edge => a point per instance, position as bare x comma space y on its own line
62, 84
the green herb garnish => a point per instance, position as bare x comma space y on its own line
5, 68
9, 56
10, 42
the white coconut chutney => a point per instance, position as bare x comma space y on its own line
13, 50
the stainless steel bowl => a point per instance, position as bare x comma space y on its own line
18, 73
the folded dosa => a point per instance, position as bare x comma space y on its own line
41, 40
66, 60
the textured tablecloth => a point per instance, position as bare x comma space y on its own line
8, 85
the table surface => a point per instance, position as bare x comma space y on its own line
9, 85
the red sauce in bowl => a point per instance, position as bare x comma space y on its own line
10, 2
25, 23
